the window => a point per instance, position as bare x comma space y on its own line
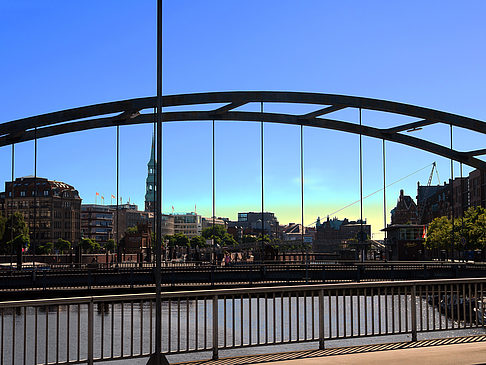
22, 193
46, 192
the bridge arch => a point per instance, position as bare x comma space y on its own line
131, 112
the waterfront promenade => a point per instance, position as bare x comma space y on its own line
452, 351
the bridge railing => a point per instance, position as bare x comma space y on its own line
20, 282
88, 329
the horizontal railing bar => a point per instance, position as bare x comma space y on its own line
237, 291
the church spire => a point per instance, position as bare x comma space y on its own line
152, 153
150, 181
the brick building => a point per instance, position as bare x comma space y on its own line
57, 208
334, 236
433, 202
477, 188
405, 211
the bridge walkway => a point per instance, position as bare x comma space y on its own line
470, 350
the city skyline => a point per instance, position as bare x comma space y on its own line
357, 50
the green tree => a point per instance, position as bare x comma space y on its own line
109, 245
179, 239
247, 238
217, 231
198, 241
62, 245
15, 226
229, 240
133, 229
220, 236
89, 246
17, 244
471, 229
439, 234
45, 248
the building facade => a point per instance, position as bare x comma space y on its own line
477, 188
436, 201
334, 236
208, 222
97, 222
405, 241
50, 208
297, 232
251, 223
433, 202
405, 211
189, 224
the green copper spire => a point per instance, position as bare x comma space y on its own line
150, 181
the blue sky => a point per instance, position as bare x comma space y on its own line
58, 54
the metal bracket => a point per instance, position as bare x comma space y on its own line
157, 359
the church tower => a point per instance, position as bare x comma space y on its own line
150, 181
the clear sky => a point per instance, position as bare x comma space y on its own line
61, 54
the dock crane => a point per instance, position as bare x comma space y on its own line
434, 167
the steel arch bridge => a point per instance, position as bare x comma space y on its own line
131, 111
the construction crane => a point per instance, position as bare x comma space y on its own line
434, 167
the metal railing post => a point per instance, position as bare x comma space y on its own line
414, 313
90, 331
321, 320
215, 327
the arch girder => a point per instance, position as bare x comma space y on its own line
464, 157
240, 98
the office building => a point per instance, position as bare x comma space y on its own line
50, 208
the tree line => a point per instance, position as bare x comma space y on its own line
466, 233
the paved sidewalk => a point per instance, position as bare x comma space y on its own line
460, 354
469, 350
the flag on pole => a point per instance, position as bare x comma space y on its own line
97, 194
113, 197
424, 233
103, 199
172, 209
195, 209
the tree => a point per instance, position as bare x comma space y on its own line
18, 243
217, 231
62, 245
247, 238
45, 248
133, 229
178, 239
220, 236
15, 226
89, 246
229, 240
198, 241
109, 245
439, 234
471, 229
